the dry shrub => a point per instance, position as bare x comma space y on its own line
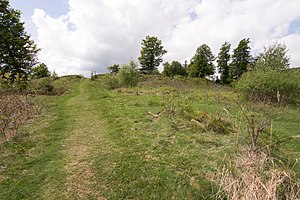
15, 111
215, 122
254, 175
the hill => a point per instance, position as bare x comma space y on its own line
164, 139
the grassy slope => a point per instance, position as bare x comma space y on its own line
98, 144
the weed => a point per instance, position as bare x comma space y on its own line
215, 122
254, 175
15, 111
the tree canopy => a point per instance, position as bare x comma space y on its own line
151, 53
202, 62
241, 58
223, 62
40, 71
18, 53
114, 68
274, 57
173, 69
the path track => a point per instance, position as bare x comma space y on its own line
80, 147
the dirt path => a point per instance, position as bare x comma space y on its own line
80, 145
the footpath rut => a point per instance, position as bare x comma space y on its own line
80, 147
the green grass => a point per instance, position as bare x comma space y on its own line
94, 143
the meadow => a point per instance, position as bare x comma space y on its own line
164, 139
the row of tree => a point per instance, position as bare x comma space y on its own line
230, 67
201, 65
18, 55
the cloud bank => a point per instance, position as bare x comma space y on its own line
97, 33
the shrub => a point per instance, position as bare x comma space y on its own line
214, 122
13, 84
61, 85
270, 86
15, 111
40, 71
50, 86
42, 86
129, 75
111, 81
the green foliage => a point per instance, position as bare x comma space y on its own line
241, 58
270, 86
54, 75
274, 57
42, 86
114, 68
151, 53
129, 75
173, 69
202, 62
18, 53
270, 80
214, 122
13, 85
40, 71
49, 86
112, 81
223, 62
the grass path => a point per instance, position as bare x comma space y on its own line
80, 147
53, 158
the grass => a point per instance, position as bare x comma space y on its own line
94, 143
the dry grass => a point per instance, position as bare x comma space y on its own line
254, 175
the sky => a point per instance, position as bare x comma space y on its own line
77, 36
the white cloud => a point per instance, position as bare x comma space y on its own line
98, 33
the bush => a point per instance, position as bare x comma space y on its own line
61, 85
15, 111
270, 86
111, 81
42, 86
129, 75
13, 84
49, 86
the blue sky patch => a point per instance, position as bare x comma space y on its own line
54, 8
294, 27
193, 15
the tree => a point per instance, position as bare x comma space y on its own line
173, 69
241, 58
202, 62
223, 62
151, 53
129, 75
40, 71
114, 69
18, 53
274, 58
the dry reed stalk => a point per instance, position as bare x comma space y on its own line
254, 176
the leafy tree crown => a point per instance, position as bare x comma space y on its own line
241, 58
274, 57
223, 62
151, 53
18, 53
202, 62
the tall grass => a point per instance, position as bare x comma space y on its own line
254, 175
